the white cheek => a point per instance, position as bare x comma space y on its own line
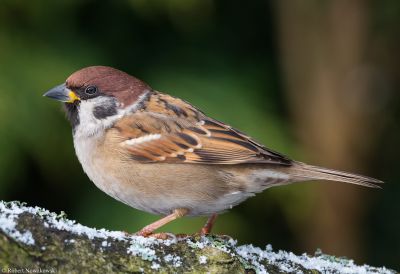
89, 125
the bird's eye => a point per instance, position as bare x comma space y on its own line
91, 90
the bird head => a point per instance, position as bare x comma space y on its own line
94, 95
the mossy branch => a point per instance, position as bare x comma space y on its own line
33, 240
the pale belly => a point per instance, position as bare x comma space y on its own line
160, 188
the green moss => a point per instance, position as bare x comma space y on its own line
68, 252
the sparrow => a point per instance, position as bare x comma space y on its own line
164, 156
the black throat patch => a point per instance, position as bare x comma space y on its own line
72, 111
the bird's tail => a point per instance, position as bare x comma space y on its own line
302, 171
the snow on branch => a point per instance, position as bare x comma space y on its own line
34, 240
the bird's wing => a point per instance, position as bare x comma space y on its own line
168, 129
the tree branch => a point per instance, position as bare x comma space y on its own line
34, 240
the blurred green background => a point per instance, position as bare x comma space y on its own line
316, 80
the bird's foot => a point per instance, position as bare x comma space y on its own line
204, 231
143, 233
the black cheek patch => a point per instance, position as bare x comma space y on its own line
102, 112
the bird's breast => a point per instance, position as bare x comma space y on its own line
111, 173
94, 163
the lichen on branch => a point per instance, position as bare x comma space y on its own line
34, 239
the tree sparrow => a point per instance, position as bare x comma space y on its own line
160, 154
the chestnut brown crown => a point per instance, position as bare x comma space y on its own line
109, 81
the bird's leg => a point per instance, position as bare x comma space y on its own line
148, 230
206, 229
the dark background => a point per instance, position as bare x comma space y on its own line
316, 80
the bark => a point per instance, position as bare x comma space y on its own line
33, 240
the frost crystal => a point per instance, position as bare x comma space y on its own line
168, 258
142, 249
8, 225
289, 262
202, 259
176, 260
155, 265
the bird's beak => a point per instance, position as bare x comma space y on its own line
62, 93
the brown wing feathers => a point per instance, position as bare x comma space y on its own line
171, 130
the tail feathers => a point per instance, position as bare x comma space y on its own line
309, 172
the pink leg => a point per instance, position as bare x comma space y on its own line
148, 230
206, 229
